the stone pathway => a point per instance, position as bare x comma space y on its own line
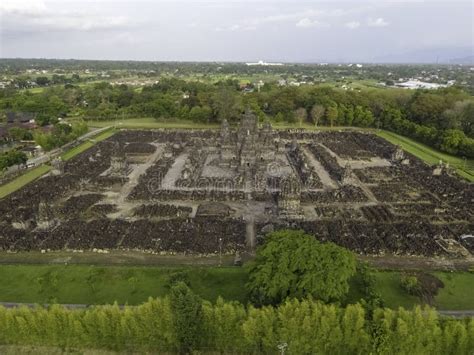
326, 180
174, 172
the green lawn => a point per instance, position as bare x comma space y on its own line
88, 144
150, 123
388, 286
430, 155
458, 291
24, 179
106, 284
456, 294
86, 284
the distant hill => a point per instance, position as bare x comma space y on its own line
464, 60
448, 55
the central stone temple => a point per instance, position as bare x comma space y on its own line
248, 145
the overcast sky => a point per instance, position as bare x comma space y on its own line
241, 30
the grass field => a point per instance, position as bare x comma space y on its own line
88, 144
388, 286
457, 293
430, 155
105, 284
85, 284
150, 123
22, 180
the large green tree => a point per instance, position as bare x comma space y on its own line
294, 264
187, 317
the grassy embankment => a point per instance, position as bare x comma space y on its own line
24, 179
88, 144
464, 167
39, 171
152, 123
134, 284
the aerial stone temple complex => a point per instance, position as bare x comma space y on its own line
196, 190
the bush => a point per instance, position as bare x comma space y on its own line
410, 284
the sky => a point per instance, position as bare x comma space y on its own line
239, 30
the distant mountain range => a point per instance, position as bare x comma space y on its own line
445, 55
464, 60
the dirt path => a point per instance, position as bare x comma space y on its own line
121, 257
134, 176
319, 169
174, 172
417, 263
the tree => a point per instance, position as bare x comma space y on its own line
331, 114
42, 81
187, 317
317, 112
19, 134
294, 264
225, 103
301, 115
12, 157
279, 117
200, 114
451, 140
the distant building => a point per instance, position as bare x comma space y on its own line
261, 62
20, 118
417, 84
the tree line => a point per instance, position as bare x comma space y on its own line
12, 157
442, 118
184, 323
60, 134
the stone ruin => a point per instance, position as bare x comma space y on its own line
347, 175
58, 166
184, 190
248, 145
289, 197
442, 169
45, 218
398, 155
118, 166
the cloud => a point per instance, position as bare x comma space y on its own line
236, 28
378, 22
23, 7
353, 25
307, 23
296, 16
30, 16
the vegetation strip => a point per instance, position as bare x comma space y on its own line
24, 179
428, 154
39, 171
183, 323
88, 144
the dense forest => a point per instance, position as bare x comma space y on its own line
442, 118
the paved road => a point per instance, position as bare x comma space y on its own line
44, 158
